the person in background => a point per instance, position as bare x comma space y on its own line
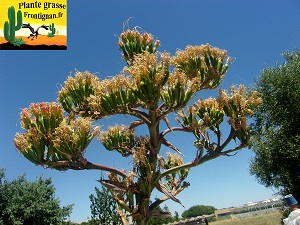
294, 216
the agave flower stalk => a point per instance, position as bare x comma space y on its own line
153, 87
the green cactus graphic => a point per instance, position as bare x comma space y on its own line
9, 27
53, 30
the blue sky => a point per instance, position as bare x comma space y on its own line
254, 32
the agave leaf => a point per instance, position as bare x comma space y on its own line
108, 185
168, 193
168, 144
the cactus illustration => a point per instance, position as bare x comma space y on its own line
53, 30
9, 26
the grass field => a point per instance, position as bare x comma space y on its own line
263, 219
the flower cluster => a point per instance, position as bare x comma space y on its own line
44, 116
193, 52
207, 103
132, 42
106, 87
118, 138
111, 85
129, 180
80, 80
25, 118
40, 121
178, 76
66, 143
173, 160
141, 151
114, 131
72, 138
85, 91
191, 122
148, 66
31, 145
199, 67
21, 142
175, 179
134, 35
77, 89
238, 105
210, 111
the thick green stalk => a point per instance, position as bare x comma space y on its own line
144, 199
143, 210
154, 139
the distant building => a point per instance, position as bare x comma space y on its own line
249, 207
250, 204
81, 221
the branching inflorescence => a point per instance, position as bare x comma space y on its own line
153, 86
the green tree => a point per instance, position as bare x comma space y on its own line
152, 88
103, 207
198, 210
176, 216
30, 203
160, 216
276, 130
